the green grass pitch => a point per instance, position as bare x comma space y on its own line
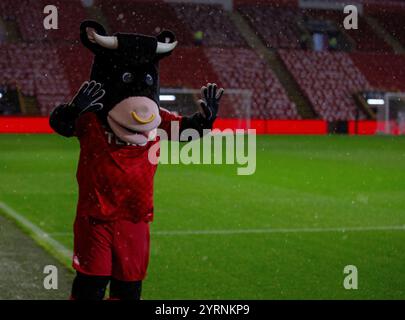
310, 183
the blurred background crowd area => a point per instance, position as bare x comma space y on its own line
295, 57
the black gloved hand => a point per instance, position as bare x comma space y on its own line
210, 102
86, 98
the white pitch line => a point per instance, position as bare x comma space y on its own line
264, 231
38, 232
278, 230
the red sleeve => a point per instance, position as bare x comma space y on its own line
169, 119
83, 123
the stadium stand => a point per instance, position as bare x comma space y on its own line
51, 64
365, 38
29, 16
384, 72
329, 80
278, 28
187, 67
283, 27
33, 67
392, 22
218, 30
248, 71
138, 17
8, 10
75, 62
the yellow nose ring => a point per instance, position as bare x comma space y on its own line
143, 121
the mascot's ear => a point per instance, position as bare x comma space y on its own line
94, 37
168, 39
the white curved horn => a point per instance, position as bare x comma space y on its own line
165, 47
109, 42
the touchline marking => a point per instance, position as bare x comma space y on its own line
263, 231
38, 232
279, 230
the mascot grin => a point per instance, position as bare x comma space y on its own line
135, 120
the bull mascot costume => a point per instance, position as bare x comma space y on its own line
115, 117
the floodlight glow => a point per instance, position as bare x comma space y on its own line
167, 97
376, 102
1, 95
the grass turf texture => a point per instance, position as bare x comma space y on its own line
300, 182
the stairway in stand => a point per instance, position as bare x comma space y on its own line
293, 91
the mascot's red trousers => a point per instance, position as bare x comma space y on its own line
111, 231
119, 249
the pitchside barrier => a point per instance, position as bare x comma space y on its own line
236, 113
11, 124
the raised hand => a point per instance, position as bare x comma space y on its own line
86, 98
210, 103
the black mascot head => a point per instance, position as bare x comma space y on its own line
127, 67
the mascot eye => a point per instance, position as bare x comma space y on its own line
148, 79
127, 77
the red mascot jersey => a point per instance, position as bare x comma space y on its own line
115, 180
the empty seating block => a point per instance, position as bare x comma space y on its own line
277, 28
385, 72
51, 65
248, 71
144, 17
329, 80
213, 21
187, 67
393, 23
37, 72
31, 16
75, 62
9, 9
